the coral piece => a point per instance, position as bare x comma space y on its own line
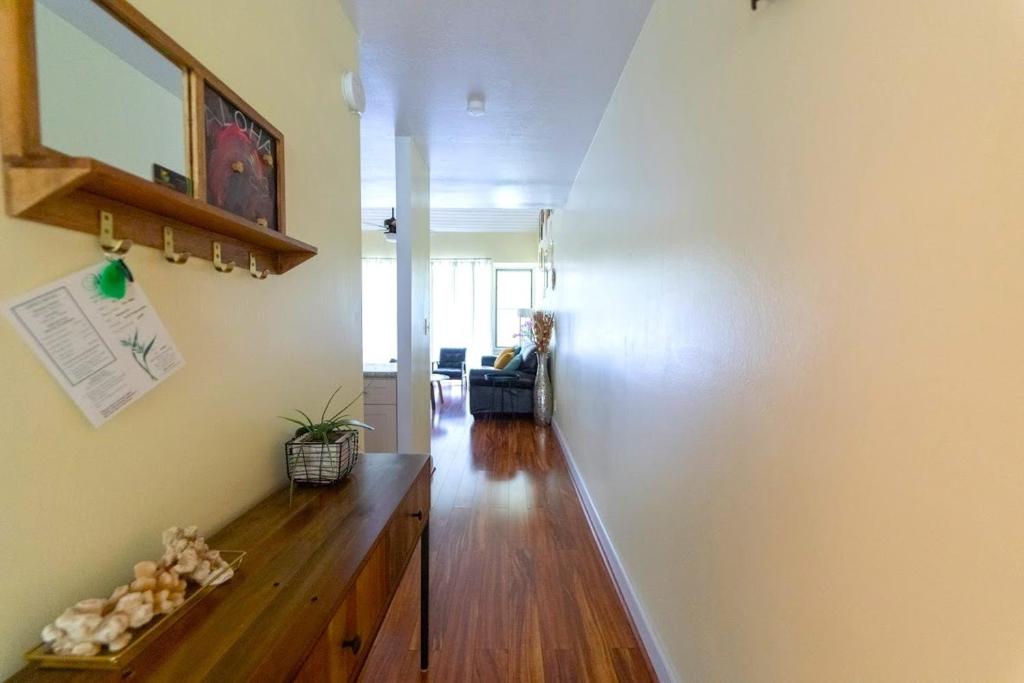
90, 606
85, 649
111, 628
118, 593
187, 553
120, 643
146, 583
129, 602
158, 588
141, 615
145, 569
78, 626
188, 559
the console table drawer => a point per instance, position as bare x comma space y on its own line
406, 526
341, 650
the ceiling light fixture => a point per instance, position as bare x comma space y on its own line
475, 106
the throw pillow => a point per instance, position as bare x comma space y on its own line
513, 364
503, 358
529, 364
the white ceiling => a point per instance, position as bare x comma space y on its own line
547, 69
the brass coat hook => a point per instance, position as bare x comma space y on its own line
107, 241
169, 253
218, 264
258, 274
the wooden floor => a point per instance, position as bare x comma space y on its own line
519, 589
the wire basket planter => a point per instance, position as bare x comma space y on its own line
311, 461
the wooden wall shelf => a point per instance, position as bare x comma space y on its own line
69, 192
46, 185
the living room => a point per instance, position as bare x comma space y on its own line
484, 283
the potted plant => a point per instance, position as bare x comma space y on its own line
324, 451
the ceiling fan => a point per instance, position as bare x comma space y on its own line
390, 227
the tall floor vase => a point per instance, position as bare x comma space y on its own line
543, 401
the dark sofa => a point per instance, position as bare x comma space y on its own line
496, 392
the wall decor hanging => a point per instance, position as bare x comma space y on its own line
546, 252
242, 161
99, 336
200, 162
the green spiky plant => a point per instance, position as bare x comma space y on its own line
327, 427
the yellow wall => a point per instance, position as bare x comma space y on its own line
502, 247
799, 234
79, 505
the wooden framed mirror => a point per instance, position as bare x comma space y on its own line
103, 111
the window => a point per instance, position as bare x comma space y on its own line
460, 307
380, 310
513, 290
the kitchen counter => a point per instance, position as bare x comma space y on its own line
380, 370
380, 407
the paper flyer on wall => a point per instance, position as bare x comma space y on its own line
105, 353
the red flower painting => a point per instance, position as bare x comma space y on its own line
240, 170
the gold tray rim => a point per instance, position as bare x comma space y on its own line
115, 660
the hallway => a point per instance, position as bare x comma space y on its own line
519, 590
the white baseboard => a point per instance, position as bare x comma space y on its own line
662, 668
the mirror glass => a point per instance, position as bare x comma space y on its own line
106, 93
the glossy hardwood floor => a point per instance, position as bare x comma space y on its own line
519, 589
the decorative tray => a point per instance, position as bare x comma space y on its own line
43, 657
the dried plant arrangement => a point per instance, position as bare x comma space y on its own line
542, 325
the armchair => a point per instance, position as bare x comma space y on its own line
452, 364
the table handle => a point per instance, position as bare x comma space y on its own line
354, 643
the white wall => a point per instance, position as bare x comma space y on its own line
790, 359
412, 189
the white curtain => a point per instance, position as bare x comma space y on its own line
460, 307
380, 310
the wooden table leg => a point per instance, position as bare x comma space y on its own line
425, 597
440, 392
432, 405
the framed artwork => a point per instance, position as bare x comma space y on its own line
546, 252
242, 161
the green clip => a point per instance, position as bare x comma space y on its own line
112, 281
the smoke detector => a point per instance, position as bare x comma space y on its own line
352, 89
475, 107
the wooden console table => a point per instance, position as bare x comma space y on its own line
312, 592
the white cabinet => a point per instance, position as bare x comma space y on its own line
380, 392
380, 411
